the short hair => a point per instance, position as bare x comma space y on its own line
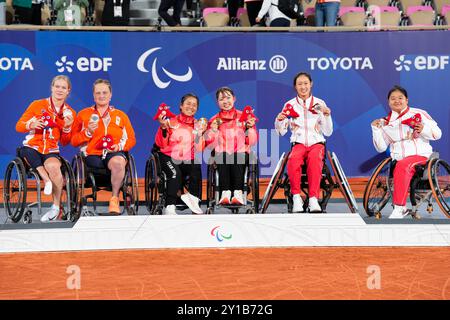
398, 88
62, 77
223, 90
190, 95
102, 81
302, 74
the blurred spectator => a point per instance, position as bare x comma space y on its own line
276, 17
327, 12
116, 13
70, 12
253, 7
173, 20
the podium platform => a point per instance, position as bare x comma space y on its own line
222, 231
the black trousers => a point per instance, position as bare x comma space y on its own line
233, 6
177, 173
231, 168
253, 8
165, 5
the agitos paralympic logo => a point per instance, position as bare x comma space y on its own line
215, 232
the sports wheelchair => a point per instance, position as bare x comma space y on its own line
250, 192
156, 185
97, 179
431, 180
280, 179
16, 187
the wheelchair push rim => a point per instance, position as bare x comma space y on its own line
380, 180
151, 184
274, 182
15, 190
439, 179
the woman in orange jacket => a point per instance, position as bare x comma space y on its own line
104, 133
48, 122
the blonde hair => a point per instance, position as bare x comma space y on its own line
62, 77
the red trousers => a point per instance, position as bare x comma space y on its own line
403, 173
313, 156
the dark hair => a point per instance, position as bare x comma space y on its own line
302, 74
223, 90
398, 88
102, 81
189, 95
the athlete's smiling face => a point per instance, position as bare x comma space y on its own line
226, 100
397, 101
303, 87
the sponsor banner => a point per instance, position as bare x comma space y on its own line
352, 73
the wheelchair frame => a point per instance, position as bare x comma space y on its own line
251, 187
424, 186
100, 179
280, 179
17, 174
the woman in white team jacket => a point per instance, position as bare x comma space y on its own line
309, 119
407, 132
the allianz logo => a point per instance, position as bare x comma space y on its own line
340, 63
421, 63
276, 64
15, 63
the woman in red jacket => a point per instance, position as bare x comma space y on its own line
178, 139
47, 123
231, 139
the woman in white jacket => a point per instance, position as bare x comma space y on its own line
276, 17
309, 119
407, 132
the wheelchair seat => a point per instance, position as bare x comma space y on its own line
430, 181
16, 187
98, 179
280, 179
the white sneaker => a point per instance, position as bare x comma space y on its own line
170, 210
48, 188
399, 212
238, 198
298, 203
225, 198
313, 205
192, 202
51, 214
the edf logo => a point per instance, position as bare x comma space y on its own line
421, 63
84, 64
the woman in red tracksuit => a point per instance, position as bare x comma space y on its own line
231, 140
178, 139
409, 143
309, 119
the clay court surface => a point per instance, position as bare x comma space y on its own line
203, 274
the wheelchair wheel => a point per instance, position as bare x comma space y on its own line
253, 185
79, 183
15, 190
210, 189
68, 196
342, 182
275, 182
378, 190
439, 179
130, 188
151, 184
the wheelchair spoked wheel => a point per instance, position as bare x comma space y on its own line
15, 190
253, 188
151, 184
439, 179
378, 190
80, 180
68, 197
210, 189
274, 183
342, 182
130, 188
